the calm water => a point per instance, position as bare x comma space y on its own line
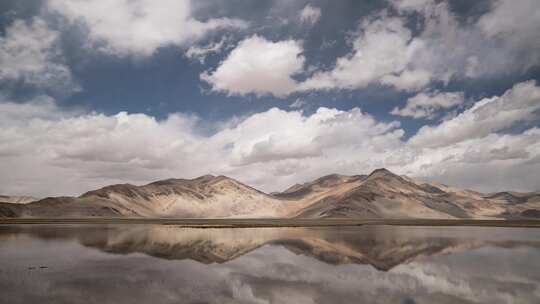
167, 264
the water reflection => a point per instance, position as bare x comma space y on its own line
167, 264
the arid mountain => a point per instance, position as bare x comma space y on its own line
381, 194
16, 199
204, 197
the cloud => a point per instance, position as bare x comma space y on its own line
310, 14
411, 5
502, 42
426, 104
382, 49
256, 140
201, 52
492, 163
139, 27
511, 24
518, 104
40, 107
258, 66
29, 53
86, 150
298, 103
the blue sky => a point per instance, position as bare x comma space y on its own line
269, 92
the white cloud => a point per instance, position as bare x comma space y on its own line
139, 27
407, 80
500, 42
310, 14
408, 5
256, 140
297, 104
91, 150
201, 52
85, 150
29, 52
488, 115
381, 49
492, 163
258, 66
426, 104
41, 107
517, 28
503, 41
41, 144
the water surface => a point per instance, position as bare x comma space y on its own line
169, 264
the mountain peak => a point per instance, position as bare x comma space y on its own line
205, 178
381, 172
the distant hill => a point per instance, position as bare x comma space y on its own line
381, 194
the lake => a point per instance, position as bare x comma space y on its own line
362, 264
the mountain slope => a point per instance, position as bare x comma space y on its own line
381, 194
13, 199
204, 197
384, 194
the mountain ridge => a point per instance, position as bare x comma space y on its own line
380, 194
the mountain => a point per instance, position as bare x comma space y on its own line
16, 199
381, 194
203, 197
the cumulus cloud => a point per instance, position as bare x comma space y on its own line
491, 163
256, 140
384, 50
85, 150
518, 104
139, 27
426, 104
310, 14
40, 107
29, 53
258, 66
513, 25
500, 42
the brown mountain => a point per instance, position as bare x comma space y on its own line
203, 197
381, 194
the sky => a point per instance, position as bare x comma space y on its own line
271, 93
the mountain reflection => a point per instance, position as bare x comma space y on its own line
379, 246
168, 264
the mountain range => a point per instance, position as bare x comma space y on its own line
381, 194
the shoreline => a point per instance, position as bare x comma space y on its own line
259, 223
